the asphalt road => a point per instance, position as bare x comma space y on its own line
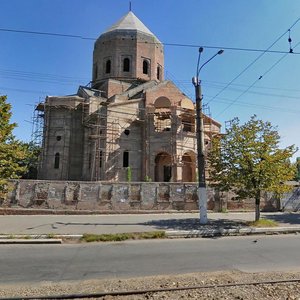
37, 263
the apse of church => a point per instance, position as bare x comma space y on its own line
129, 123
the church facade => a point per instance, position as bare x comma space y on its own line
130, 124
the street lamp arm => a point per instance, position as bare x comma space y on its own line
199, 56
199, 69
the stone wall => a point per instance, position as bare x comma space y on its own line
118, 197
291, 201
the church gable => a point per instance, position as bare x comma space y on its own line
168, 90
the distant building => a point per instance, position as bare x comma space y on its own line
130, 117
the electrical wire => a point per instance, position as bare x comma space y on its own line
39, 77
261, 93
262, 106
146, 42
254, 61
28, 74
260, 77
22, 90
173, 78
244, 85
229, 48
235, 89
47, 34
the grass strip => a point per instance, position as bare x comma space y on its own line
116, 237
263, 223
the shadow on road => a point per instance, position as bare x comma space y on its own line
169, 224
286, 218
193, 224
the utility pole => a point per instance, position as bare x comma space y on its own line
202, 193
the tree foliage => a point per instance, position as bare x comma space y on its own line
297, 177
31, 160
12, 152
247, 160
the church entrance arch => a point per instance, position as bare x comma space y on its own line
163, 167
188, 167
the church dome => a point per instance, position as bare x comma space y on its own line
130, 22
128, 51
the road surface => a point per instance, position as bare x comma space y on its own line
36, 263
70, 224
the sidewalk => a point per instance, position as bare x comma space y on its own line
175, 224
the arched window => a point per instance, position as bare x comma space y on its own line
56, 160
107, 66
145, 67
158, 73
126, 65
162, 114
125, 159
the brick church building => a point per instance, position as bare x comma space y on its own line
129, 122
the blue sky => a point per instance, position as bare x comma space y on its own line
33, 66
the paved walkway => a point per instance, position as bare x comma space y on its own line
98, 224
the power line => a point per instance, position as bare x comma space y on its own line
260, 77
40, 77
244, 85
219, 84
173, 78
234, 88
230, 48
40, 74
295, 98
181, 45
47, 33
268, 107
22, 90
166, 44
254, 61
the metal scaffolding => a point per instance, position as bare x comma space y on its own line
37, 125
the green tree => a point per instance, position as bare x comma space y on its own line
297, 177
247, 160
12, 152
31, 160
129, 174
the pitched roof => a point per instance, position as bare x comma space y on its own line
130, 22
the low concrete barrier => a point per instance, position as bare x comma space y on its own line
121, 196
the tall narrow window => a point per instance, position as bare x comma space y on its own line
126, 65
100, 158
125, 159
158, 73
108, 66
56, 161
145, 67
95, 71
90, 160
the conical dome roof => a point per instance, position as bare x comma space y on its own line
130, 22
128, 51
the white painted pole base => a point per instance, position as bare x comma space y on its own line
202, 196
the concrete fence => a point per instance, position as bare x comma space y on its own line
123, 196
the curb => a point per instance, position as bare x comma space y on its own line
36, 239
171, 234
29, 241
32, 211
231, 232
